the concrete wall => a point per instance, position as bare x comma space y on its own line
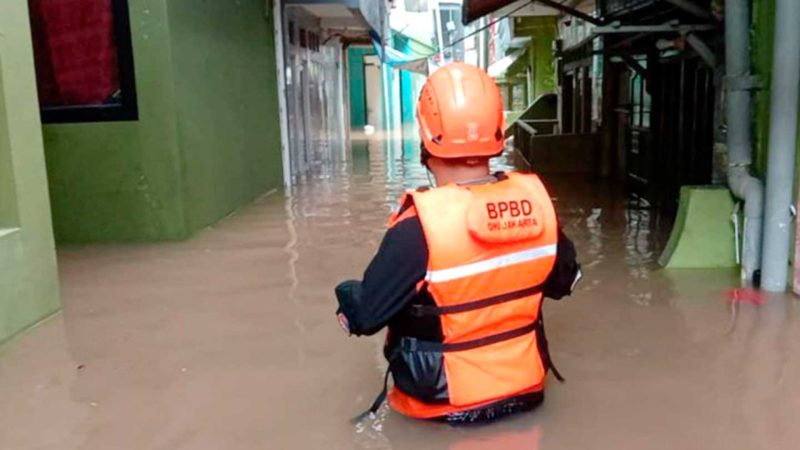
206, 141
28, 279
223, 60
122, 180
539, 56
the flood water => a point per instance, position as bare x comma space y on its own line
229, 340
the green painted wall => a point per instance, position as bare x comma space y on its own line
358, 99
207, 139
762, 54
120, 181
28, 278
762, 37
227, 104
539, 55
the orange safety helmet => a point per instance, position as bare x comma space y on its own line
460, 113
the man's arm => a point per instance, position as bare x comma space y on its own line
566, 271
389, 283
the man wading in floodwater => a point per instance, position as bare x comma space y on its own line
461, 273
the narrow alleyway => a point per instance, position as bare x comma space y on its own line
229, 341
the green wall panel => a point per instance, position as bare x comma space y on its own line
703, 235
539, 54
28, 278
762, 37
227, 105
207, 140
121, 181
9, 215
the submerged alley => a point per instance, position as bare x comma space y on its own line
230, 341
183, 185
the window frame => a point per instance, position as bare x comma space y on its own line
127, 109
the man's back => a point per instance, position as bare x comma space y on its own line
475, 294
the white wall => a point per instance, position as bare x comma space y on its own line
372, 80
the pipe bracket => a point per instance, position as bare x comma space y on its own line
747, 82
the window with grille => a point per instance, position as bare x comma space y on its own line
84, 60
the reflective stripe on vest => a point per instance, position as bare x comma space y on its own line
499, 262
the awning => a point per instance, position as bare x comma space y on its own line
499, 67
399, 60
419, 66
520, 42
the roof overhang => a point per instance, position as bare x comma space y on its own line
348, 14
498, 68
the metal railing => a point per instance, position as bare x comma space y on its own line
538, 127
544, 151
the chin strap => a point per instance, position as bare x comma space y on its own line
430, 180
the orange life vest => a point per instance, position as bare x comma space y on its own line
490, 249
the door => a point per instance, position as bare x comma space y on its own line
683, 122
639, 159
669, 141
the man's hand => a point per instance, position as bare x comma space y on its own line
344, 323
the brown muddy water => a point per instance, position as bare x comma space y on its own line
229, 340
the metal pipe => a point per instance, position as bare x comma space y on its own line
702, 49
782, 145
738, 108
669, 27
283, 111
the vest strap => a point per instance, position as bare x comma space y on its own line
434, 310
413, 344
544, 348
381, 397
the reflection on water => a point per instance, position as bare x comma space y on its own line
229, 340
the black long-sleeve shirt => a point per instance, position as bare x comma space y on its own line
391, 279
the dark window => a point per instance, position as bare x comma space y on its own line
292, 38
416, 5
84, 60
640, 99
303, 38
518, 98
452, 30
568, 104
314, 41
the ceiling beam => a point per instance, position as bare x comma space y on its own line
569, 11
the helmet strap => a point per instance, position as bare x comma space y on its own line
424, 155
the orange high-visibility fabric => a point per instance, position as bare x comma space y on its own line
510, 248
